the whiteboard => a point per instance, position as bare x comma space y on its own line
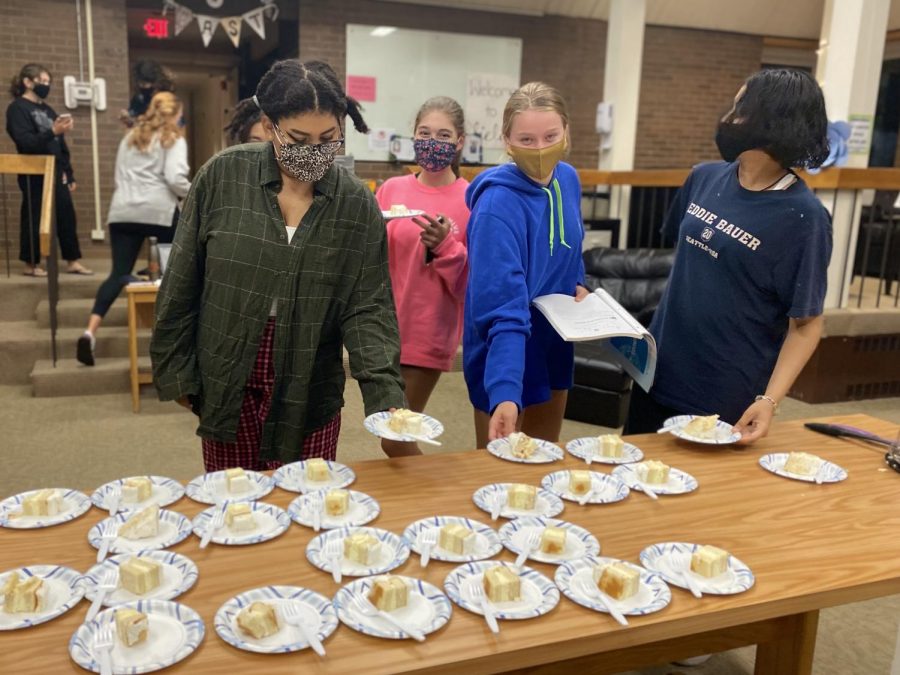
410, 66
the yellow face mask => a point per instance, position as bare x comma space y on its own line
538, 164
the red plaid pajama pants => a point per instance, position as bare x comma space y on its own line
244, 452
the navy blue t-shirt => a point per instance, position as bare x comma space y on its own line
745, 262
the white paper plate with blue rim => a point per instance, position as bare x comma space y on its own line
177, 573
680, 482
271, 522
539, 594
315, 611
377, 423
75, 504
545, 504
607, 489
210, 487
409, 213
653, 593
164, 491
363, 509
65, 588
545, 452
427, 609
487, 543
828, 472
723, 434
292, 477
672, 560
582, 448
175, 631
173, 528
393, 553
579, 542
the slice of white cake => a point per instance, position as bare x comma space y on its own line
258, 620
610, 445
337, 502
317, 470
23, 594
520, 496
702, 427
43, 503
553, 540
142, 525
136, 489
709, 561
501, 584
579, 482
139, 575
399, 209
618, 580
403, 421
457, 539
521, 445
652, 472
237, 481
132, 626
803, 463
361, 548
239, 518
389, 593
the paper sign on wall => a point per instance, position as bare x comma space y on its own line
380, 139
860, 134
362, 88
486, 96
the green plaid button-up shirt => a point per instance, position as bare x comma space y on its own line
231, 258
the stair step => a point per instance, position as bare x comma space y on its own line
19, 295
70, 378
74, 313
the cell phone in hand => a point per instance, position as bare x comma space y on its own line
65, 117
429, 254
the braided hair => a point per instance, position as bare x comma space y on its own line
292, 88
246, 114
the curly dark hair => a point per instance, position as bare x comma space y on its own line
246, 114
155, 74
784, 109
292, 88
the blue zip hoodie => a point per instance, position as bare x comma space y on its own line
524, 241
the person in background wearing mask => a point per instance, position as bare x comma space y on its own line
246, 124
150, 78
525, 236
36, 129
151, 176
427, 255
279, 263
742, 312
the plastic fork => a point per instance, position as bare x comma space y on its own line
590, 452
107, 537
650, 492
532, 541
106, 584
607, 602
291, 613
479, 596
104, 639
112, 500
316, 505
427, 540
685, 576
498, 504
420, 439
216, 522
819, 477
362, 605
334, 555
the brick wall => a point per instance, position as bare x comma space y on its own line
567, 53
45, 31
688, 81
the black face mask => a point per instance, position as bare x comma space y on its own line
41, 90
733, 139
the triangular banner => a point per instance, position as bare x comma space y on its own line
255, 18
271, 9
208, 25
232, 27
183, 17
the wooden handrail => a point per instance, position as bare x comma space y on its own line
35, 165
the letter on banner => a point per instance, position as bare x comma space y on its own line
208, 26
257, 21
232, 27
183, 17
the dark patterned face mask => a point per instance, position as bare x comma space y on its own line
306, 163
434, 155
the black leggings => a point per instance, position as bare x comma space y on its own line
30, 236
126, 240
645, 415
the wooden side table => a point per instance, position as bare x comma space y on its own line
141, 305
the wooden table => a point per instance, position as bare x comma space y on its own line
810, 546
141, 304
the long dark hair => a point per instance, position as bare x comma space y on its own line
451, 109
784, 109
246, 114
293, 88
30, 70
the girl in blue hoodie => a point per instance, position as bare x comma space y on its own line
524, 241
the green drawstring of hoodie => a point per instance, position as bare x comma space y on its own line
562, 220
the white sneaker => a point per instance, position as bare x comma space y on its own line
693, 661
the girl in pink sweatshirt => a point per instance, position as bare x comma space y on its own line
427, 255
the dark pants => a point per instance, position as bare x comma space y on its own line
645, 415
126, 240
30, 235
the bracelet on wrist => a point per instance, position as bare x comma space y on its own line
769, 399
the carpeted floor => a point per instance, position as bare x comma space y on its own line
85, 441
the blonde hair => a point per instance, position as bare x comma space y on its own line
534, 96
160, 121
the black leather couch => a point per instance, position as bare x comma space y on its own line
636, 278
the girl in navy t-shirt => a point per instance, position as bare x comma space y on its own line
742, 313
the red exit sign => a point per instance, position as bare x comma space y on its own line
156, 27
